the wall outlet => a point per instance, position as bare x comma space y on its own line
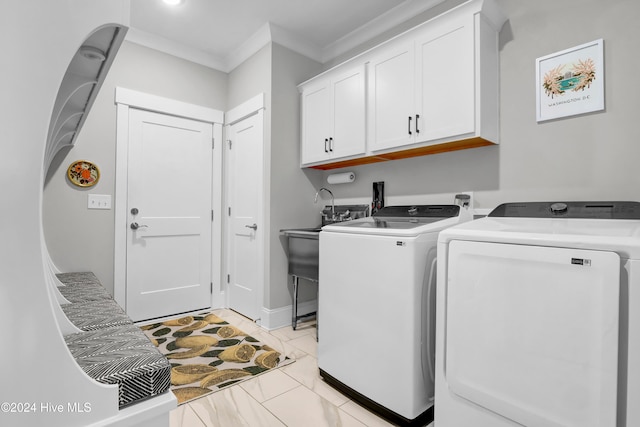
99, 201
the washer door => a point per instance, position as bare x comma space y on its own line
532, 332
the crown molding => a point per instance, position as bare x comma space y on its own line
296, 43
270, 32
176, 49
385, 22
248, 48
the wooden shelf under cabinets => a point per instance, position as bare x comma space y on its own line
412, 152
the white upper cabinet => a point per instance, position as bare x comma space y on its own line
391, 97
431, 89
420, 91
333, 117
425, 89
316, 122
445, 81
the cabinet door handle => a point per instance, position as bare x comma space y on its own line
325, 145
409, 127
417, 117
331, 144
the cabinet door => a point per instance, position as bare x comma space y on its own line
348, 105
391, 105
445, 81
316, 122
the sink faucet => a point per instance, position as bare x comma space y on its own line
333, 206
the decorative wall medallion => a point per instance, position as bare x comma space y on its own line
83, 173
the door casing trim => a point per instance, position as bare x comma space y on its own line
125, 100
250, 107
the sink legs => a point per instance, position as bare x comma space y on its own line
294, 320
295, 317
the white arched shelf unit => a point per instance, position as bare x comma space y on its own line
44, 104
78, 90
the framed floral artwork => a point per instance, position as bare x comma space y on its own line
83, 173
570, 82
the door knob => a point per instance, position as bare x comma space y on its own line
254, 227
135, 225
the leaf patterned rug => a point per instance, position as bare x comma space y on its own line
207, 354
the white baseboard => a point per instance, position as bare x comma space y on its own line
270, 319
279, 317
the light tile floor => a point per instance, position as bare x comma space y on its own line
293, 395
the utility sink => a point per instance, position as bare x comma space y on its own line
304, 249
303, 252
304, 242
308, 232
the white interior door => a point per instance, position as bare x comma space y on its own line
169, 209
532, 332
246, 226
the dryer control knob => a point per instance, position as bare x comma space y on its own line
559, 208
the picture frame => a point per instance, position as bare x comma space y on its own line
570, 82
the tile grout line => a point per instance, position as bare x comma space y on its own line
196, 413
284, 339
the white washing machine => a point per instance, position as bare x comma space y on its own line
538, 317
376, 308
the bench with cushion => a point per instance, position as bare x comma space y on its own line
110, 348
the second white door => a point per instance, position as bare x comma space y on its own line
246, 226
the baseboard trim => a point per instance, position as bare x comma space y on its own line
270, 319
279, 317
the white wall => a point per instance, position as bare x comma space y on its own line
592, 157
83, 240
250, 78
292, 189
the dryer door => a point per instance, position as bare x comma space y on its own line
532, 332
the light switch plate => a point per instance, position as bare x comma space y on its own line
99, 201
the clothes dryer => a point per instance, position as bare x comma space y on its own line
376, 304
538, 317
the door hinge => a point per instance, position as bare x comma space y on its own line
230, 143
213, 143
211, 215
229, 210
228, 278
211, 289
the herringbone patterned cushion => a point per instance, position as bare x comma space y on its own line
122, 355
92, 315
82, 287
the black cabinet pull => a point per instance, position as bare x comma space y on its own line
331, 144
417, 117
325, 145
409, 125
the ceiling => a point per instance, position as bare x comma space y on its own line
222, 33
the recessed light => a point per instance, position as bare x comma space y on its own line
173, 2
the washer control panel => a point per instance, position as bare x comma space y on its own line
592, 210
